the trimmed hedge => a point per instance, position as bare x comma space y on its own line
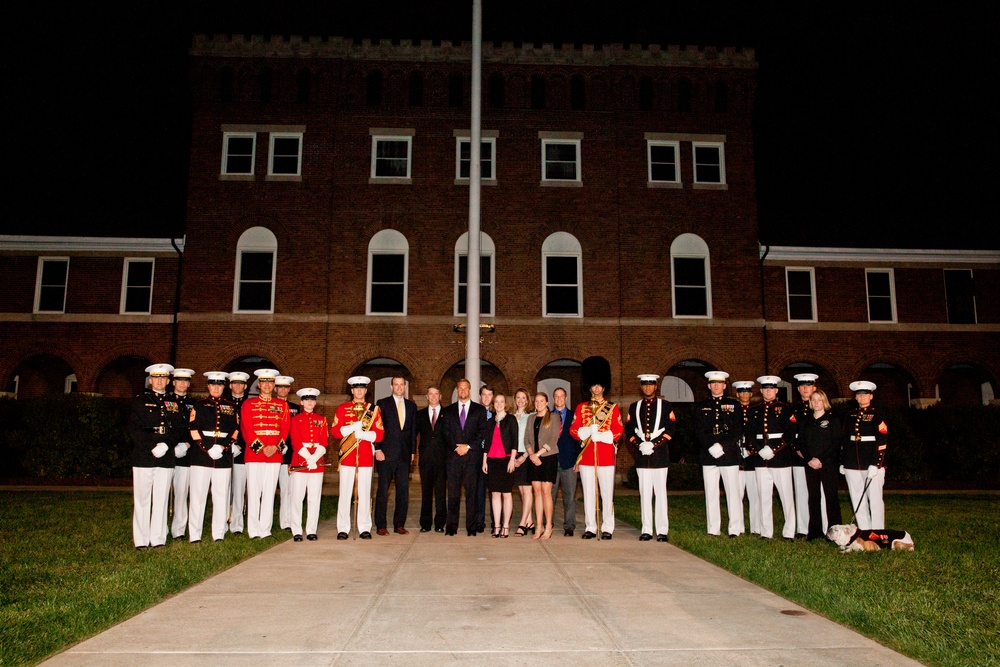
74, 435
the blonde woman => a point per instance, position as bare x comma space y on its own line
500, 449
521, 413
541, 442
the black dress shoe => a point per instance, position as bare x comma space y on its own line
662, 538
237, 532
451, 532
365, 535
312, 538
141, 548
219, 540
425, 530
645, 537
341, 536
194, 541
605, 535
471, 533
568, 532
297, 538
589, 535
439, 530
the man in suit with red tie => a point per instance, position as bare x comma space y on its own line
462, 435
393, 456
432, 465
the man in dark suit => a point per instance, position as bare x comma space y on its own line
462, 435
394, 454
432, 464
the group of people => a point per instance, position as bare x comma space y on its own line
241, 447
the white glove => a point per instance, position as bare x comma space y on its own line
236, 450
304, 453
312, 465
872, 471
716, 451
584, 432
646, 447
607, 437
367, 435
160, 449
181, 449
842, 470
320, 451
766, 453
215, 451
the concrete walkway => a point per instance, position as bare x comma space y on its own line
428, 599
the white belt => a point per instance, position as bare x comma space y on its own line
865, 438
770, 436
310, 444
268, 432
215, 434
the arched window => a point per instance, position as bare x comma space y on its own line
256, 264
487, 271
690, 276
562, 276
388, 257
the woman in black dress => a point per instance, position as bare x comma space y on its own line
498, 463
541, 440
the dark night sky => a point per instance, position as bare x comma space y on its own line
875, 125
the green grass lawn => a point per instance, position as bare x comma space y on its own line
68, 568
939, 604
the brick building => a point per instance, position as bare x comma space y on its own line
325, 236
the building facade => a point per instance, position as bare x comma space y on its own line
326, 236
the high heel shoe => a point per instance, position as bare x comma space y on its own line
547, 534
496, 531
521, 531
529, 529
506, 532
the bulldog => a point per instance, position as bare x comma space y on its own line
850, 538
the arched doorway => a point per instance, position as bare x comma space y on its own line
488, 374
965, 384
123, 377
381, 370
42, 375
561, 373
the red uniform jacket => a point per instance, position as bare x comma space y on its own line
345, 415
584, 416
309, 430
264, 422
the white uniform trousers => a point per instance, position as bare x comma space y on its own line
730, 476
150, 500
801, 500
262, 480
181, 482
767, 480
653, 482
201, 479
347, 497
285, 499
871, 513
239, 485
301, 484
748, 484
606, 479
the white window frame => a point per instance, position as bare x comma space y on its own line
574, 139
388, 242
256, 240
691, 246
226, 136
385, 134
459, 140
812, 292
650, 143
270, 154
892, 295
562, 244
39, 286
721, 146
129, 261
486, 249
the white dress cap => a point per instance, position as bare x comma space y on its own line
159, 370
717, 376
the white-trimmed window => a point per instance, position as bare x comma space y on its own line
800, 286
881, 286
487, 272
391, 156
256, 265
487, 158
709, 162
562, 276
388, 258
691, 277
137, 285
663, 158
960, 296
239, 151
561, 157
285, 154
50, 284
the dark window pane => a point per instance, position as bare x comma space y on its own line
878, 284
256, 266
54, 273
561, 271
691, 301
463, 269
140, 274
484, 299
285, 165
387, 268
664, 172
240, 145
416, 89
462, 296
391, 149
255, 296
51, 298
880, 309
560, 152
561, 300
484, 269
137, 299
646, 94
689, 271
387, 298
662, 154
238, 164
800, 308
708, 174
286, 146
960, 297
799, 282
